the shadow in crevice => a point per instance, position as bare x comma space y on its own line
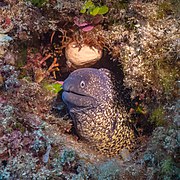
114, 65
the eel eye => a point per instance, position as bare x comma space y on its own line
82, 84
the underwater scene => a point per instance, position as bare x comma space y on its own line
89, 89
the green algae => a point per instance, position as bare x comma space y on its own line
168, 76
169, 7
54, 87
164, 9
90, 8
168, 80
38, 3
167, 166
158, 116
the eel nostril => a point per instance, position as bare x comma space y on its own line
67, 86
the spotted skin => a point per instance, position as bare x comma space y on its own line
98, 115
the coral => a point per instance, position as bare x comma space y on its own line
6, 114
39, 142
175, 114
167, 77
134, 171
10, 76
38, 3
146, 47
6, 25
168, 7
4, 174
36, 142
4, 39
10, 58
116, 11
35, 63
67, 157
158, 117
59, 5
167, 166
109, 170
160, 155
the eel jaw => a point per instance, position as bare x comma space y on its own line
76, 100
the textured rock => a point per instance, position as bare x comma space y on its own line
83, 56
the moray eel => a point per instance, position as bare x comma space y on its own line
98, 115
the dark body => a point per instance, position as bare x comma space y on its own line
99, 116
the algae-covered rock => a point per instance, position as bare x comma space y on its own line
162, 152
38, 141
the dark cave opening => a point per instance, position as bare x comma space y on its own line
107, 62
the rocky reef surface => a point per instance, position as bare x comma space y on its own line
140, 41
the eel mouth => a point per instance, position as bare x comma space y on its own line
75, 93
74, 99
